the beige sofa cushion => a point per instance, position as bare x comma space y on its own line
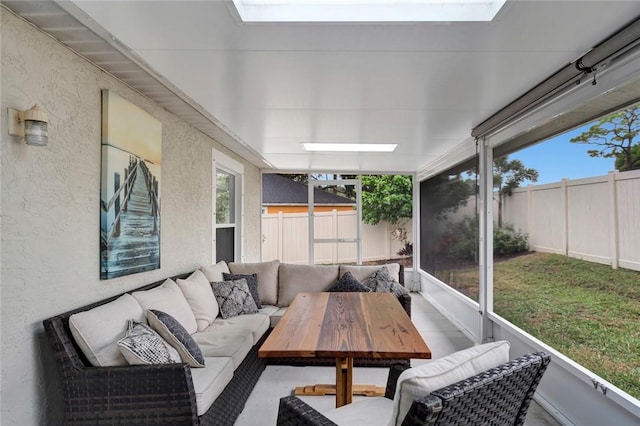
295, 279
197, 290
214, 272
267, 278
220, 342
361, 272
210, 381
256, 324
420, 381
98, 330
169, 299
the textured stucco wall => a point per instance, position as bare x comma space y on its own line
50, 209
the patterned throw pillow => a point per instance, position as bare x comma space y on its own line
143, 346
234, 298
381, 281
174, 333
348, 283
252, 282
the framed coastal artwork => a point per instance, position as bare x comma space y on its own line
130, 188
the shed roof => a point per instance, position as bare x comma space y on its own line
278, 189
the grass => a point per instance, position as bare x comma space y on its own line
585, 310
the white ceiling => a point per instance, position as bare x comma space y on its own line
423, 86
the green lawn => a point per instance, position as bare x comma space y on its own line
585, 310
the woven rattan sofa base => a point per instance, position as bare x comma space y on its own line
140, 395
497, 397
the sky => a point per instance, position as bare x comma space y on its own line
557, 158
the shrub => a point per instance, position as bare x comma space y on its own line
461, 240
507, 240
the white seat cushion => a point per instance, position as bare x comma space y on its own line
420, 381
169, 299
268, 309
218, 342
210, 381
366, 412
98, 330
214, 273
197, 290
257, 324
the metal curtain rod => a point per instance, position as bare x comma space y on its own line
613, 47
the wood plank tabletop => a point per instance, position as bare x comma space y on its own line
333, 325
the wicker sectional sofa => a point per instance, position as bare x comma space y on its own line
176, 394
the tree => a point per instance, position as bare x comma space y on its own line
388, 198
621, 160
508, 175
615, 134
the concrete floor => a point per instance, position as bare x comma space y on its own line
442, 337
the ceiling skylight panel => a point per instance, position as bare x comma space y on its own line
367, 10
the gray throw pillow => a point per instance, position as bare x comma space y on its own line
234, 298
348, 283
174, 333
143, 346
252, 282
381, 281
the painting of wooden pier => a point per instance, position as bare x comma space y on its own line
130, 188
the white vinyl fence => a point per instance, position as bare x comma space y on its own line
285, 237
595, 219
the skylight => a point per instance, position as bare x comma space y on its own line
367, 10
350, 147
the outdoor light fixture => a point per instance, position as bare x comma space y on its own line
350, 147
30, 124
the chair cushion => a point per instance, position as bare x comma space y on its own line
362, 272
275, 317
252, 282
197, 291
214, 272
234, 298
304, 278
143, 346
174, 333
168, 298
381, 281
267, 273
371, 411
418, 382
256, 324
347, 282
209, 382
98, 330
227, 343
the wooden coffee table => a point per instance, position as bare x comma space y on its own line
345, 326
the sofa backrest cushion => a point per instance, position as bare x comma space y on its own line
362, 272
418, 382
168, 298
304, 278
98, 330
197, 290
267, 273
214, 272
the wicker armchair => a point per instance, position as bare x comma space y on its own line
499, 396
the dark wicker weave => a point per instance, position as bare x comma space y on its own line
154, 394
405, 301
497, 397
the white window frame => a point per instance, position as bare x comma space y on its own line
227, 164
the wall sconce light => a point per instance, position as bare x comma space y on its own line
32, 125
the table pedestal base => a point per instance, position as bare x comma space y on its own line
326, 389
